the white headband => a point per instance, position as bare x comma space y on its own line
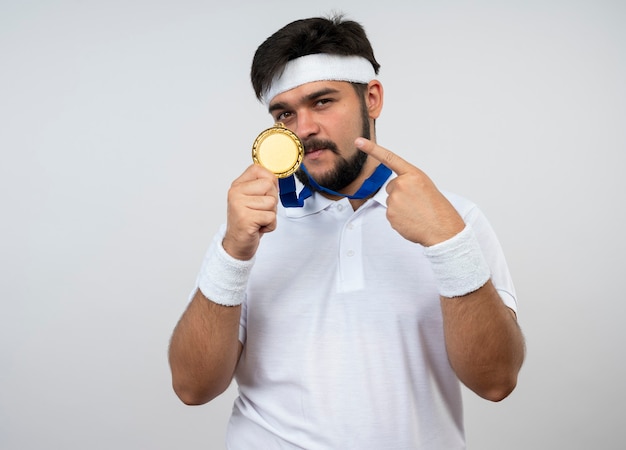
320, 67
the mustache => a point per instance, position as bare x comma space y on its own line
318, 144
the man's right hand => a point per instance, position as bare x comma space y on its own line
252, 203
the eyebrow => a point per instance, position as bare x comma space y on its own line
307, 98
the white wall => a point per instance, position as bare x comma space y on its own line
123, 122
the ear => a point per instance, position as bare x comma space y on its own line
374, 98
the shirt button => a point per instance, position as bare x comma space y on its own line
340, 207
350, 253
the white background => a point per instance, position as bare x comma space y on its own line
122, 124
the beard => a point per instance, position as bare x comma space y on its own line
346, 170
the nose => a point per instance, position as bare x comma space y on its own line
307, 126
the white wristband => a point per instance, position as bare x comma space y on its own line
459, 265
223, 279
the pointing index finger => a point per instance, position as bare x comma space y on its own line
387, 157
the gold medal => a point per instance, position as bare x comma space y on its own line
278, 150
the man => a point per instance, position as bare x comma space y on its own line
348, 317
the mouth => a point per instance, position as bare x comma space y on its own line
314, 153
315, 148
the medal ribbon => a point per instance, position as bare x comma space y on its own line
290, 199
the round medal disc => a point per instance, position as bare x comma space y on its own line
278, 150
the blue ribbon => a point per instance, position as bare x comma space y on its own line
289, 198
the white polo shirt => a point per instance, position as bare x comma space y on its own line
343, 336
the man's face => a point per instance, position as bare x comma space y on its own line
327, 116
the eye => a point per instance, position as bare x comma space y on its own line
281, 117
323, 101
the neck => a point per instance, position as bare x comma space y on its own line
367, 171
356, 204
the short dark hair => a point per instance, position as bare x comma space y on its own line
332, 35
